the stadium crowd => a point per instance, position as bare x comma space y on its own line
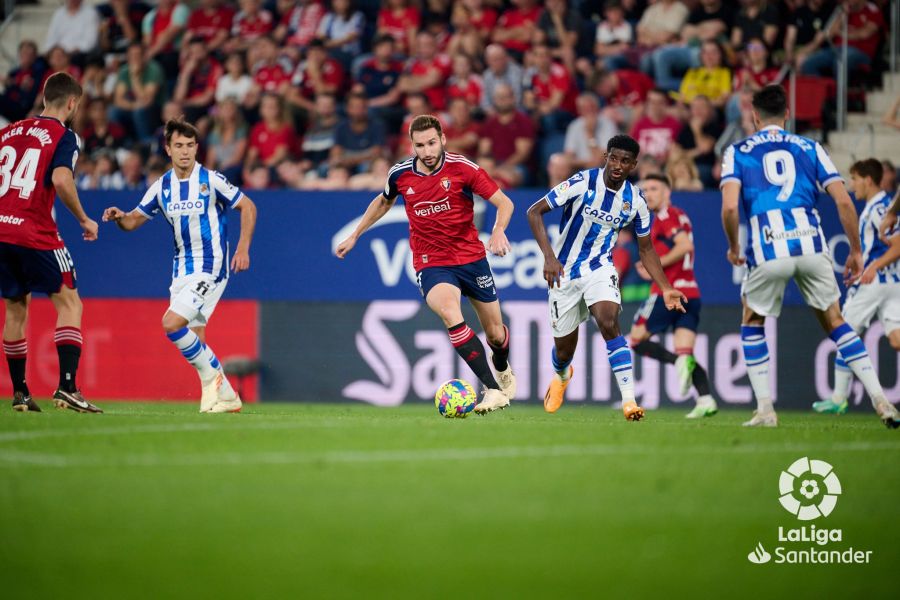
315, 95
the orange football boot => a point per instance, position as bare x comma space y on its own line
632, 411
553, 399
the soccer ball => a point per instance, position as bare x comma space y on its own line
455, 398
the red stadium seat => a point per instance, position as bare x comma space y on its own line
812, 93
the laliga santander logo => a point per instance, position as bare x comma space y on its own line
809, 489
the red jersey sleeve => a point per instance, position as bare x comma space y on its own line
482, 184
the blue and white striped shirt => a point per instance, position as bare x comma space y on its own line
780, 175
592, 218
872, 246
195, 209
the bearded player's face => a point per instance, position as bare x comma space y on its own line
429, 147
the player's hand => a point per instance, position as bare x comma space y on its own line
112, 214
675, 300
853, 268
735, 258
345, 247
240, 261
888, 221
642, 271
553, 271
868, 275
498, 245
89, 227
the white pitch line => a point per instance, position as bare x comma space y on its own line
16, 457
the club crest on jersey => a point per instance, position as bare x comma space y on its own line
445, 183
204, 189
626, 206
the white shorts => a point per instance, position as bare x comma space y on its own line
763, 287
194, 297
865, 301
569, 303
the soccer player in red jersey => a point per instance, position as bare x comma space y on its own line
449, 259
673, 241
37, 158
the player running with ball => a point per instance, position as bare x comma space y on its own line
597, 204
194, 201
437, 189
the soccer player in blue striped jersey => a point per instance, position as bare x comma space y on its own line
194, 201
775, 175
597, 204
878, 290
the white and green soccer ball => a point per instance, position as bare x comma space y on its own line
455, 399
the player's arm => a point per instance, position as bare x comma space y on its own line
890, 217
849, 220
650, 259
682, 245
553, 269
499, 244
64, 182
241, 259
731, 221
125, 221
377, 209
891, 255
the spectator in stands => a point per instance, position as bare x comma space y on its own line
614, 37
400, 20
508, 136
257, 177
622, 94
648, 164
656, 130
660, 25
22, 83
888, 177
226, 144
698, 139
472, 23
517, 27
320, 133
138, 94
338, 178
273, 139
586, 136
74, 27
300, 23
270, 74
132, 170
464, 82
426, 72
461, 131
57, 61
550, 92
318, 74
234, 83
804, 27
156, 168
211, 23
197, 80
711, 21
501, 69
864, 29
756, 73
96, 81
170, 110
377, 80
891, 118
100, 133
416, 106
249, 24
558, 27
735, 131
372, 180
341, 29
711, 79
105, 173
358, 139
756, 19
120, 25
559, 168
682, 172
163, 29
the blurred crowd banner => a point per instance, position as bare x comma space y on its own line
357, 329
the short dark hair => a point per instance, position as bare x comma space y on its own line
660, 178
624, 142
770, 102
870, 167
59, 88
382, 38
181, 127
424, 123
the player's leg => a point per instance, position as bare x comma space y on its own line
762, 292
565, 340
15, 348
652, 319
691, 372
227, 399
815, 278
606, 314
443, 296
497, 335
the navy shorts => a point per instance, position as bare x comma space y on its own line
654, 315
474, 280
25, 270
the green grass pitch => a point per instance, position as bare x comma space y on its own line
306, 500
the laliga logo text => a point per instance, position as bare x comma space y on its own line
809, 489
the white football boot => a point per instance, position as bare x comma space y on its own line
507, 381
766, 418
228, 400
887, 412
210, 394
493, 400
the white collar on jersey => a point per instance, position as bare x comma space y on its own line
189, 177
875, 199
767, 127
